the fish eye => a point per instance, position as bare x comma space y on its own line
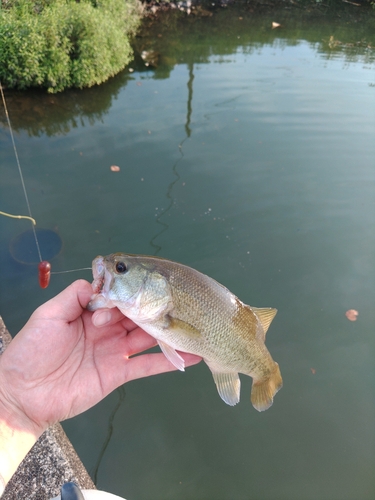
121, 268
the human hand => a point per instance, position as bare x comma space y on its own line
66, 359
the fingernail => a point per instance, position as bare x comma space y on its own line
101, 319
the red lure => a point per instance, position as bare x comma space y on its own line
44, 268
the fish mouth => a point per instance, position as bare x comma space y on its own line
97, 285
98, 272
100, 286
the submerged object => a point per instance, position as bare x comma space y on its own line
188, 311
24, 250
44, 273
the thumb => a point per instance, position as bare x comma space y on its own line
68, 304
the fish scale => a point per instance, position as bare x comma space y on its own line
188, 311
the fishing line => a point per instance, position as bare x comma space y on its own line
21, 175
72, 270
44, 266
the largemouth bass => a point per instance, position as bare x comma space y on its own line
185, 310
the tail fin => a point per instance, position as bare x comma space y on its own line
262, 392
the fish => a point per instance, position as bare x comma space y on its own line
187, 311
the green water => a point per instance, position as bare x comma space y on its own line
248, 153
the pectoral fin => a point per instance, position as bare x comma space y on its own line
228, 386
183, 328
172, 356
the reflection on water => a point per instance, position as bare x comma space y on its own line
121, 396
247, 153
196, 39
168, 195
39, 113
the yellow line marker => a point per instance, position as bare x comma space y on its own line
18, 217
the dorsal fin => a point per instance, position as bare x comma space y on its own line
265, 315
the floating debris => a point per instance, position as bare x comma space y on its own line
351, 314
150, 57
115, 168
352, 3
333, 44
275, 25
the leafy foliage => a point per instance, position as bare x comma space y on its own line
64, 43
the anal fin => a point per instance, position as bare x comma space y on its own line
172, 355
228, 386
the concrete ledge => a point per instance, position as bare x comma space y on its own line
50, 463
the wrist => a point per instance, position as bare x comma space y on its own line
2, 485
13, 416
17, 436
14, 446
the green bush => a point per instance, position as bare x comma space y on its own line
64, 43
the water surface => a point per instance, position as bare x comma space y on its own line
247, 153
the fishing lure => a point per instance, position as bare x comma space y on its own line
44, 268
